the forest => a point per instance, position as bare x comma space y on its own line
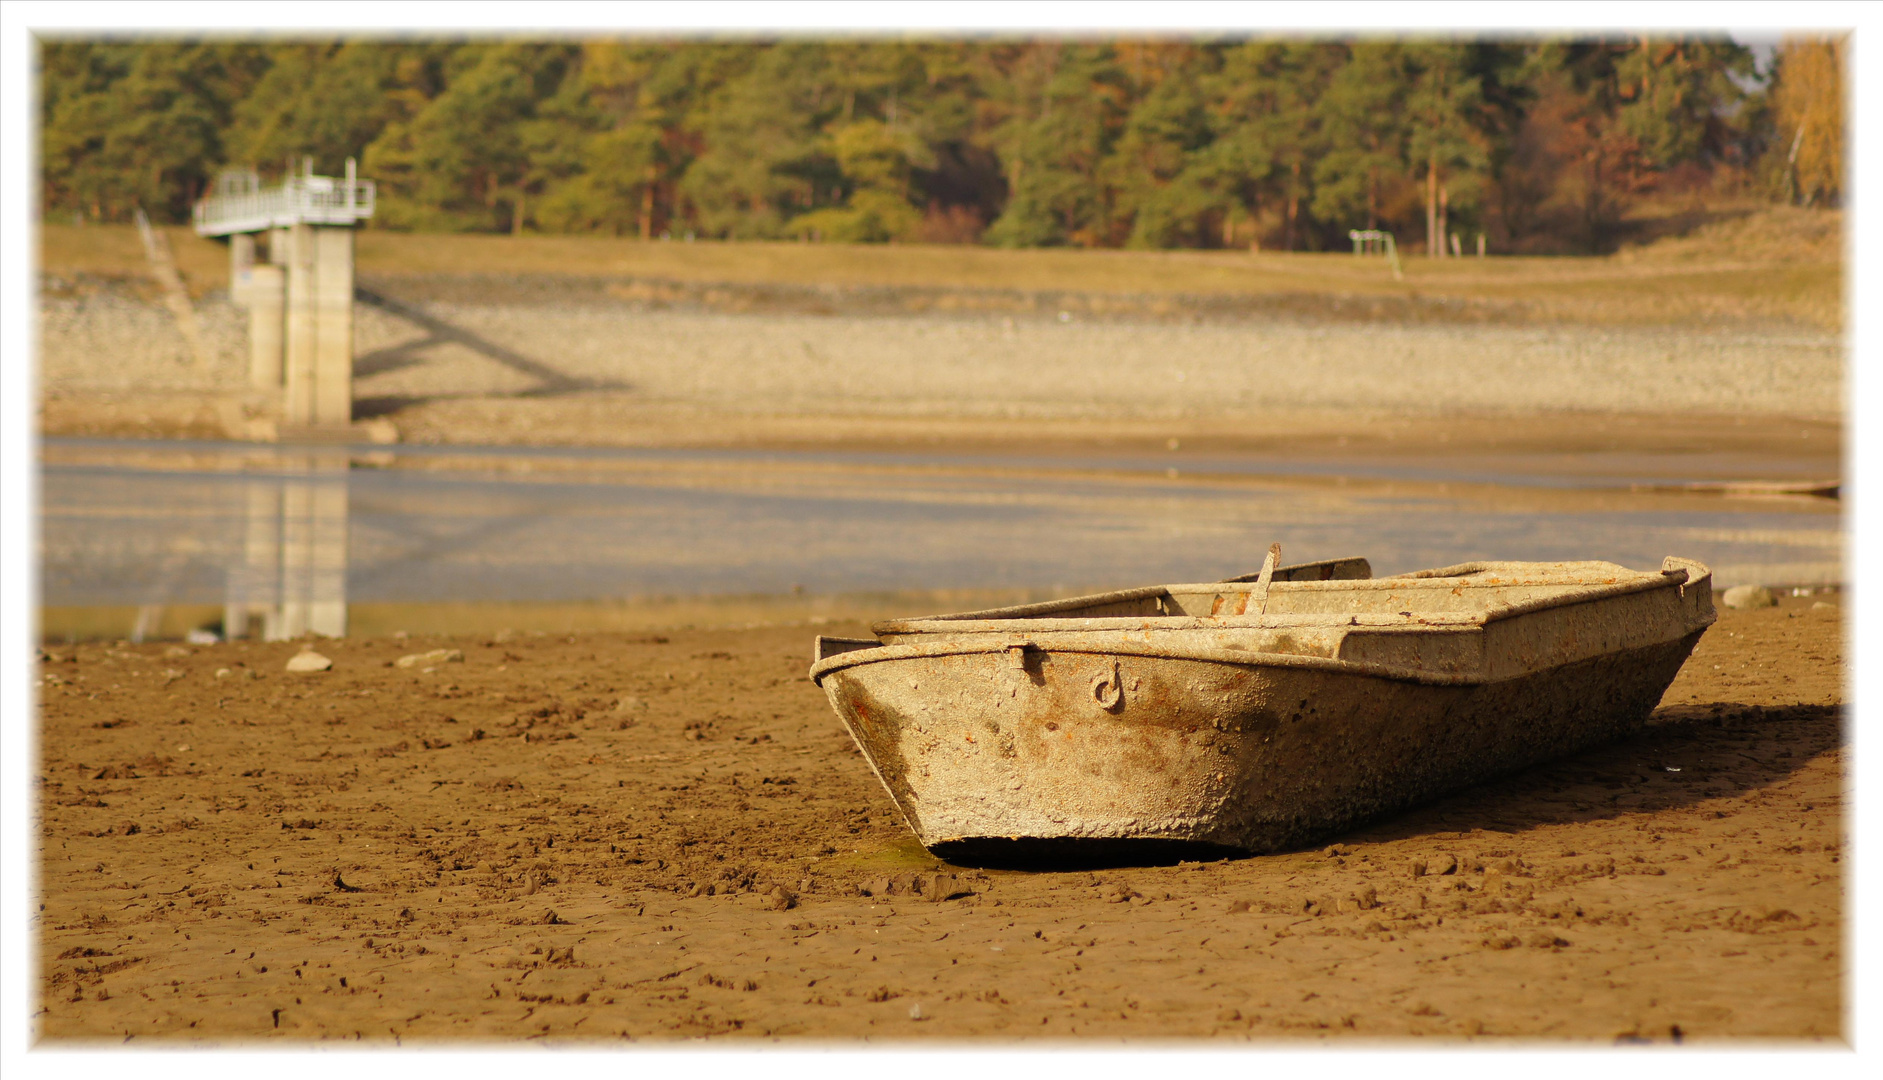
1541, 145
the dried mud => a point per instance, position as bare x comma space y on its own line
609, 837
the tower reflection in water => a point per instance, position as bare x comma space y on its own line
292, 577
279, 541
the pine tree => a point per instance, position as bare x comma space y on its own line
138, 124
1264, 131
1445, 110
1366, 132
463, 161
1150, 171
765, 158
1056, 152
1675, 94
330, 100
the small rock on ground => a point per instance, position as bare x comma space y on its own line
308, 660
436, 656
1747, 597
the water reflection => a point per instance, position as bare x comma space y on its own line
292, 576
282, 540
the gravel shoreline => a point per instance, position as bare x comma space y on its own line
99, 339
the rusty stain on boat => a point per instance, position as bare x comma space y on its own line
1254, 713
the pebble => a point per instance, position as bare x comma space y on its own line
1748, 597
436, 656
308, 660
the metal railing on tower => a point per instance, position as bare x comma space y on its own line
247, 207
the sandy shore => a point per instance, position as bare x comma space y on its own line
611, 836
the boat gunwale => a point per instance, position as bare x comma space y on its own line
1647, 581
1001, 635
1145, 650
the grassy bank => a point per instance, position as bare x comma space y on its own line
1772, 264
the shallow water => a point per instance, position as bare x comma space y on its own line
302, 531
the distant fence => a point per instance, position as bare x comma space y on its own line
1377, 242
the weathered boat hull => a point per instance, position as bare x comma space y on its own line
1076, 742
1225, 755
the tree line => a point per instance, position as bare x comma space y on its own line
1540, 144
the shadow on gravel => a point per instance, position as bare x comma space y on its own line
550, 382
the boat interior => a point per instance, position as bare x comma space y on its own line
1342, 587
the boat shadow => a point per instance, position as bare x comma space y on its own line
1067, 853
1688, 755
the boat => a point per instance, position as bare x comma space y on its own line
1254, 714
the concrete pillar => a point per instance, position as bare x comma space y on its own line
302, 321
319, 376
241, 260
333, 347
267, 296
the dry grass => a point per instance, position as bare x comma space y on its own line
114, 251
1771, 264
1748, 233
